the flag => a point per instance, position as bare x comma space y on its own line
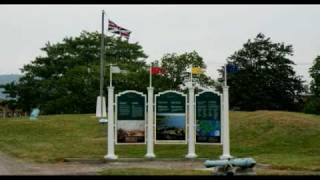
125, 33
124, 71
116, 29
196, 70
157, 70
115, 69
232, 68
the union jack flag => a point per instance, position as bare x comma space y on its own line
116, 29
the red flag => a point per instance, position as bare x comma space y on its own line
157, 70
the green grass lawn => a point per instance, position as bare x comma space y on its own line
285, 140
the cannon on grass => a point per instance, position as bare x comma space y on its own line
232, 166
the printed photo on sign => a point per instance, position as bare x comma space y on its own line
130, 118
171, 127
208, 118
131, 131
208, 131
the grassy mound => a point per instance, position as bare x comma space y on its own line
285, 140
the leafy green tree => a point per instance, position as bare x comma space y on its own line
66, 79
315, 74
266, 79
176, 68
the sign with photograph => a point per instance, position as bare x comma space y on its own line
208, 117
130, 115
170, 117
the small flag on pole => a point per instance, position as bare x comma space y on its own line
116, 29
157, 70
153, 71
196, 70
232, 68
115, 69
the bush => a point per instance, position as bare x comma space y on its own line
312, 106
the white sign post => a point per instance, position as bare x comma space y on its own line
225, 120
110, 155
191, 139
150, 154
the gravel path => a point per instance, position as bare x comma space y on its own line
13, 166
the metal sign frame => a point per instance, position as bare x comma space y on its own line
155, 119
116, 116
221, 114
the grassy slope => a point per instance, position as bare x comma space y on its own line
284, 139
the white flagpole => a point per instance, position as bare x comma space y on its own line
191, 76
150, 76
225, 75
110, 75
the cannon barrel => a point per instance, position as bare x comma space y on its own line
240, 162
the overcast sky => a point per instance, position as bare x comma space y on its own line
214, 31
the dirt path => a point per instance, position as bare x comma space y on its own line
13, 166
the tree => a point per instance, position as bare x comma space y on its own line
176, 66
66, 79
315, 75
266, 79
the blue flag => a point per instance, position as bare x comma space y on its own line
232, 68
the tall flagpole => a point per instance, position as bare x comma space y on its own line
102, 65
150, 76
110, 76
191, 76
225, 75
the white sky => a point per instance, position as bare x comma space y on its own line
214, 31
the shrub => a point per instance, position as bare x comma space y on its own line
312, 106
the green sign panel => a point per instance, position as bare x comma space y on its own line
171, 103
171, 117
131, 106
208, 118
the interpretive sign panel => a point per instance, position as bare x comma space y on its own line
170, 117
130, 115
208, 117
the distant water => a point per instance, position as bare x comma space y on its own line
7, 78
175, 121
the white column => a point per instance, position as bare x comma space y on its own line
110, 155
191, 118
225, 125
99, 108
150, 154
